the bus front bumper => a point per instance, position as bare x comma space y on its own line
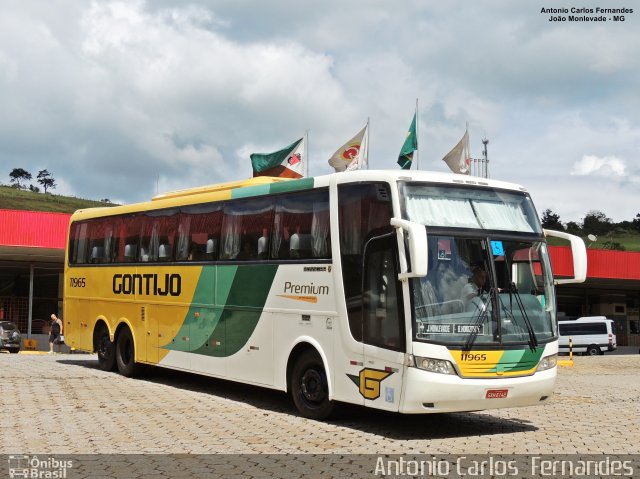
427, 392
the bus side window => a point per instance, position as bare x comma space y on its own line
78, 243
128, 240
301, 226
201, 226
183, 246
382, 313
362, 209
244, 223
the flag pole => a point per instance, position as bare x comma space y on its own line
306, 147
417, 142
368, 140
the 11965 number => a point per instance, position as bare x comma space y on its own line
77, 282
473, 357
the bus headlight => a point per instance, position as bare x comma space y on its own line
548, 362
440, 366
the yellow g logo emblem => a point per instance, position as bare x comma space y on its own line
368, 382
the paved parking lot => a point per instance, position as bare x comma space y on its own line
62, 404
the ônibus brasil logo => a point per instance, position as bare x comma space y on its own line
33, 467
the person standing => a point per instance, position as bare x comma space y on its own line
55, 333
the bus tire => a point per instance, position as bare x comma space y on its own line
593, 350
125, 354
106, 349
309, 386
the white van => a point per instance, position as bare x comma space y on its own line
590, 335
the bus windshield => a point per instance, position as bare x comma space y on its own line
489, 278
488, 291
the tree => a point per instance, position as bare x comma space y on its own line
636, 222
597, 223
46, 180
17, 175
574, 228
34, 189
551, 220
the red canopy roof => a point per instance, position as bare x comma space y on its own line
600, 263
33, 228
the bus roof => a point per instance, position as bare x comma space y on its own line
264, 185
258, 180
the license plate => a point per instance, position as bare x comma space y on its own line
497, 393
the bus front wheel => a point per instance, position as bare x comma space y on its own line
106, 350
125, 353
309, 386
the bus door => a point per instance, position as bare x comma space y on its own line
383, 325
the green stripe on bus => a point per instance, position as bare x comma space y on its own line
248, 191
271, 188
200, 320
295, 185
246, 289
520, 360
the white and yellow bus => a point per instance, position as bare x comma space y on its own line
415, 292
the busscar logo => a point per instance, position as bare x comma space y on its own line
368, 381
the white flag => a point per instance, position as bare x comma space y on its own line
353, 154
459, 159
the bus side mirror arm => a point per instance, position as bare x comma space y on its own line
418, 248
579, 253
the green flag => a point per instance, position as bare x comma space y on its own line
286, 162
410, 145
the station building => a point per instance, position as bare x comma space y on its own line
32, 262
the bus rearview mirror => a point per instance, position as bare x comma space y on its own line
418, 248
579, 253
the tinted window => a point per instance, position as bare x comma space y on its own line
246, 228
582, 329
78, 243
157, 235
129, 240
290, 226
301, 226
199, 233
383, 325
364, 211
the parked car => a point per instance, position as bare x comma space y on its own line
9, 337
589, 335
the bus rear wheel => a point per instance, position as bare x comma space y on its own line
309, 386
106, 350
125, 354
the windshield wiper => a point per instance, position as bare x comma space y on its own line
513, 291
478, 319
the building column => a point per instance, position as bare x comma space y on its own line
30, 317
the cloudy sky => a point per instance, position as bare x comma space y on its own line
120, 99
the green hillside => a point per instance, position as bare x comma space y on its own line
15, 199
